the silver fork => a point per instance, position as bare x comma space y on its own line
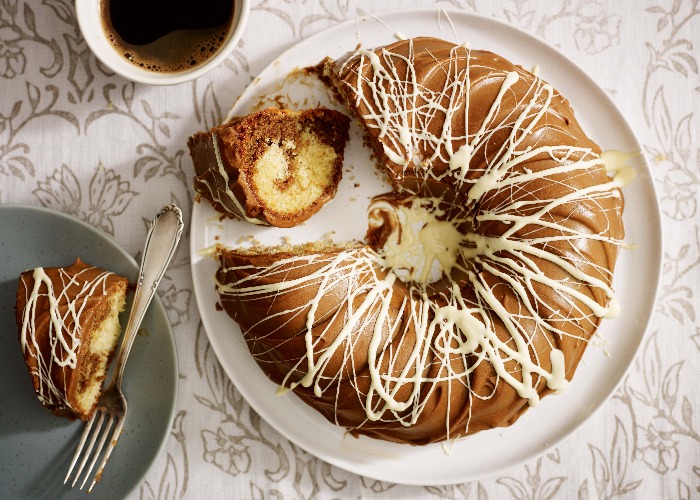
161, 242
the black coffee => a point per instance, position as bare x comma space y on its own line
167, 35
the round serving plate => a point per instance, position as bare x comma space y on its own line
556, 417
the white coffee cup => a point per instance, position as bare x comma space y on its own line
91, 25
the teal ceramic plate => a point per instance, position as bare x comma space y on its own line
35, 446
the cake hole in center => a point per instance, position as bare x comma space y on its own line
415, 239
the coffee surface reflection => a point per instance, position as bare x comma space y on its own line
167, 36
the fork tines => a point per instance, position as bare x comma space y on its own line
99, 431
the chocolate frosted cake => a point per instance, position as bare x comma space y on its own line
275, 167
68, 319
486, 271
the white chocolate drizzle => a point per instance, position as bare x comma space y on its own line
618, 162
222, 196
470, 321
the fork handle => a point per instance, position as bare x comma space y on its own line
161, 243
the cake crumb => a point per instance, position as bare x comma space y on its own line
215, 222
207, 251
246, 238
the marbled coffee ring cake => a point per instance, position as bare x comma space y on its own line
526, 254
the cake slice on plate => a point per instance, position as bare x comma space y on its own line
274, 167
68, 319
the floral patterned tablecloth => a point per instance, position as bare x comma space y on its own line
78, 139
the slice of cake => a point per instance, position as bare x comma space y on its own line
274, 167
68, 319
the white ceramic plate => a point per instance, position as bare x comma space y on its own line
557, 416
35, 446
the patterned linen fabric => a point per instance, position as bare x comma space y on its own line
78, 139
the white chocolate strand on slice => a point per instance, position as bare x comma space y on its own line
487, 270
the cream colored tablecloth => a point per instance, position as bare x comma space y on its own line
77, 139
